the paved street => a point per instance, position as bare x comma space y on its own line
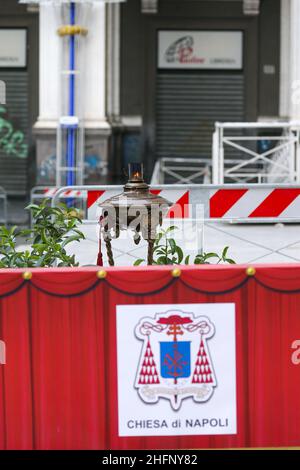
247, 243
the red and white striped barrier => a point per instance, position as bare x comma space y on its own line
243, 203
179, 210
255, 203
50, 192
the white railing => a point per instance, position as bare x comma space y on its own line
280, 162
182, 170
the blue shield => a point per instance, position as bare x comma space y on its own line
175, 359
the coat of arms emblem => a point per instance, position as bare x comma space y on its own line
175, 361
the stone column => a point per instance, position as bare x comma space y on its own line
49, 62
98, 129
290, 60
92, 89
113, 53
113, 62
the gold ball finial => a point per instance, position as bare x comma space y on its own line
101, 274
250, 271
27, 275
176, 272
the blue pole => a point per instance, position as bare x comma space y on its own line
71, 131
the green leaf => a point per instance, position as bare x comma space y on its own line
32, 207
161, 252
162, 260
158, 238
40, 246
180, 254
187, 260
76, 230
224, 252
170, 229
73, 238
25, 232
172, 244
138, 262
158, 247
210, 255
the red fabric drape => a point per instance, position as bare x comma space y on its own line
58, 388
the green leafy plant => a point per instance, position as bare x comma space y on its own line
167, 252
53, 229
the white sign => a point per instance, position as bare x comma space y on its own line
13, 48
176, 369
69, 121
200, 50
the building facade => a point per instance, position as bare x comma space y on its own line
19, 43
225, 67
158, 74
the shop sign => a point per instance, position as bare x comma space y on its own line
200, 50
13, 48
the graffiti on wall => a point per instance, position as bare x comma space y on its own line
94, 168
12, 142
